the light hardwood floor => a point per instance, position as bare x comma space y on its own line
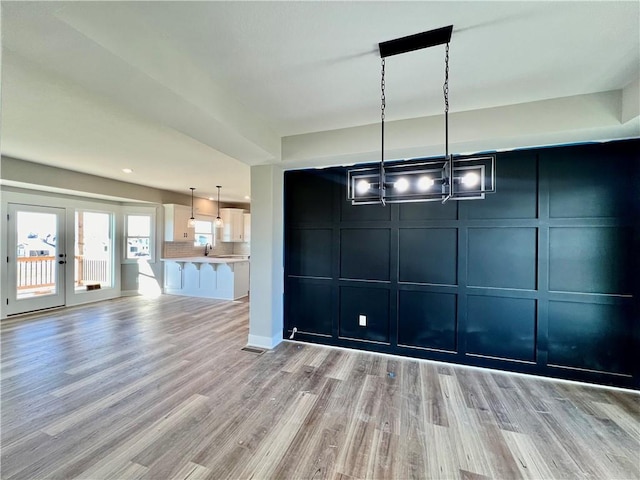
160, 389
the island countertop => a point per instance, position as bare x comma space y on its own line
204, 259
221, 277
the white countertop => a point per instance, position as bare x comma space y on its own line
204, 259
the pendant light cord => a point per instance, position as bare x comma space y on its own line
192, 217
218, 187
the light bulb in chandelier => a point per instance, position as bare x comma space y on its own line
402, 185
471, 179
362, 186
425, 183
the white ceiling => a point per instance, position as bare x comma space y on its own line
193, 93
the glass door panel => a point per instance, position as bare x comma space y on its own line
36, 258
93, 262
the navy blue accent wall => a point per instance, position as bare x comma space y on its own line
541, 277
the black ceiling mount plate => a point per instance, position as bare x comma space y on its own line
415, 42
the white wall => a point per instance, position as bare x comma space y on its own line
580, 118
267, 256
40, 177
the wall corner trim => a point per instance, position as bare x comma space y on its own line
264, 342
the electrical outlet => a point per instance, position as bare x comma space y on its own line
362, 320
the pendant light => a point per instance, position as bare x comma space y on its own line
192, 221
421, 180
219, 222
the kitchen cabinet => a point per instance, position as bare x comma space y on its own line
233, 229
173, 276
176, 218
209, 277
247, 227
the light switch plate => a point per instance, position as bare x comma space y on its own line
362, 320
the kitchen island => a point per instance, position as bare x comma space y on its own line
225, 277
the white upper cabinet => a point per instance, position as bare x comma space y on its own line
247, 227
176, 218
233, 229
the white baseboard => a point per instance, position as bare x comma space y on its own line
264, 342
129, 293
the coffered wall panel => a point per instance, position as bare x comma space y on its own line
591, 259
427, 320
428, 255
502, 257
540, 277
364, 254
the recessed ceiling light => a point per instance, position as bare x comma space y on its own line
211, 198
247, 197
127, 170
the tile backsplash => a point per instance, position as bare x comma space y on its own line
186, 249
241, 248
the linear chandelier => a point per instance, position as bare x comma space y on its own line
460, 178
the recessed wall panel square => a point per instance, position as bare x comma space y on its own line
591, 336
427, 319
309, 196
501, 327
428, 255
502, 257
370, 303
425, 211
309, 307
516, 193
583, 183
364, 213
310, 252
364, 253
591, 259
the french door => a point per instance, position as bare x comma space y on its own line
36, 258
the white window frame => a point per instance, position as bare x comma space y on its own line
139, 212
211, 220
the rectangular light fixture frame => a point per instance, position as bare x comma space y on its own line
468, 178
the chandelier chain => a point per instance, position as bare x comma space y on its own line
448, 159
383, 99
445, 87
382, 188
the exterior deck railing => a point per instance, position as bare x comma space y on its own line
35, 272
38, 272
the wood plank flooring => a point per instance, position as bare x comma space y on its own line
160, 389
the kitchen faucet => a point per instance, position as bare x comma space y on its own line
207, 249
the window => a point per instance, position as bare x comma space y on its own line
203, 233
93, 259
139, 237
